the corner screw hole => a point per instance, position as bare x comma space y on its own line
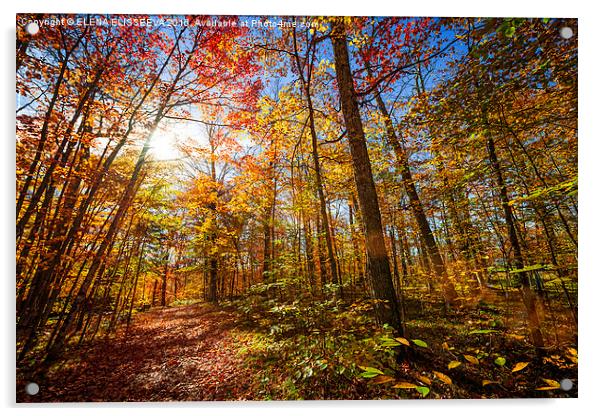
566, 32
566, 384
32, 389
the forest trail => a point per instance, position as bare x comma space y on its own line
183, 353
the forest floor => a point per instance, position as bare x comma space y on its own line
265, 349
169, 354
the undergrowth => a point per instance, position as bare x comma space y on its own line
323, 347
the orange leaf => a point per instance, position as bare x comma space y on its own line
471, 359
519, 366
443, 377
404, 385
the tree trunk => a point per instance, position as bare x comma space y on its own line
449, 291
526, 292
387, 308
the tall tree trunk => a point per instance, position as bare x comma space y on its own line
378, 262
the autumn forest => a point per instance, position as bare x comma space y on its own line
286, 208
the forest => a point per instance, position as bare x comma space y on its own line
295, 208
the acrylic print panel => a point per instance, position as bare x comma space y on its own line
284, 208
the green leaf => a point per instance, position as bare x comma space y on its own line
423, 390
420, 343
482, 331
509, 32
501, 361
370, 372
389, 342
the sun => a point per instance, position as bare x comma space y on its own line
164, 146
166, 142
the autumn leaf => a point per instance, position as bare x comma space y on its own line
443, 377
382, 379
424, 379
454, 364
551, 385
404, 385
519, 366
471, 359
403, 341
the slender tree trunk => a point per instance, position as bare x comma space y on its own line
526, 292
449, 291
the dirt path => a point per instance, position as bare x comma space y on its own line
182, 353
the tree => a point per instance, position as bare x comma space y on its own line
381, 283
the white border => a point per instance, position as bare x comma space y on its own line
590, 372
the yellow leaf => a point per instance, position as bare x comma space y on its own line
403, 341
546, 388
454, 364
519, 366
404, 385
572, 355
424, 379
380, 379
471, 359
487, 382
445, 346
552, 383
443, 377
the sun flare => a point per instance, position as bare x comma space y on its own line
164, 146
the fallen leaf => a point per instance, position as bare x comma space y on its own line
423, 390
382, 379
471, 359
443, 377
552, 383
404, 385
519, 366
501, 361
424, 379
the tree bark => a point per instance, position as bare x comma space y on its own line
387, 308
